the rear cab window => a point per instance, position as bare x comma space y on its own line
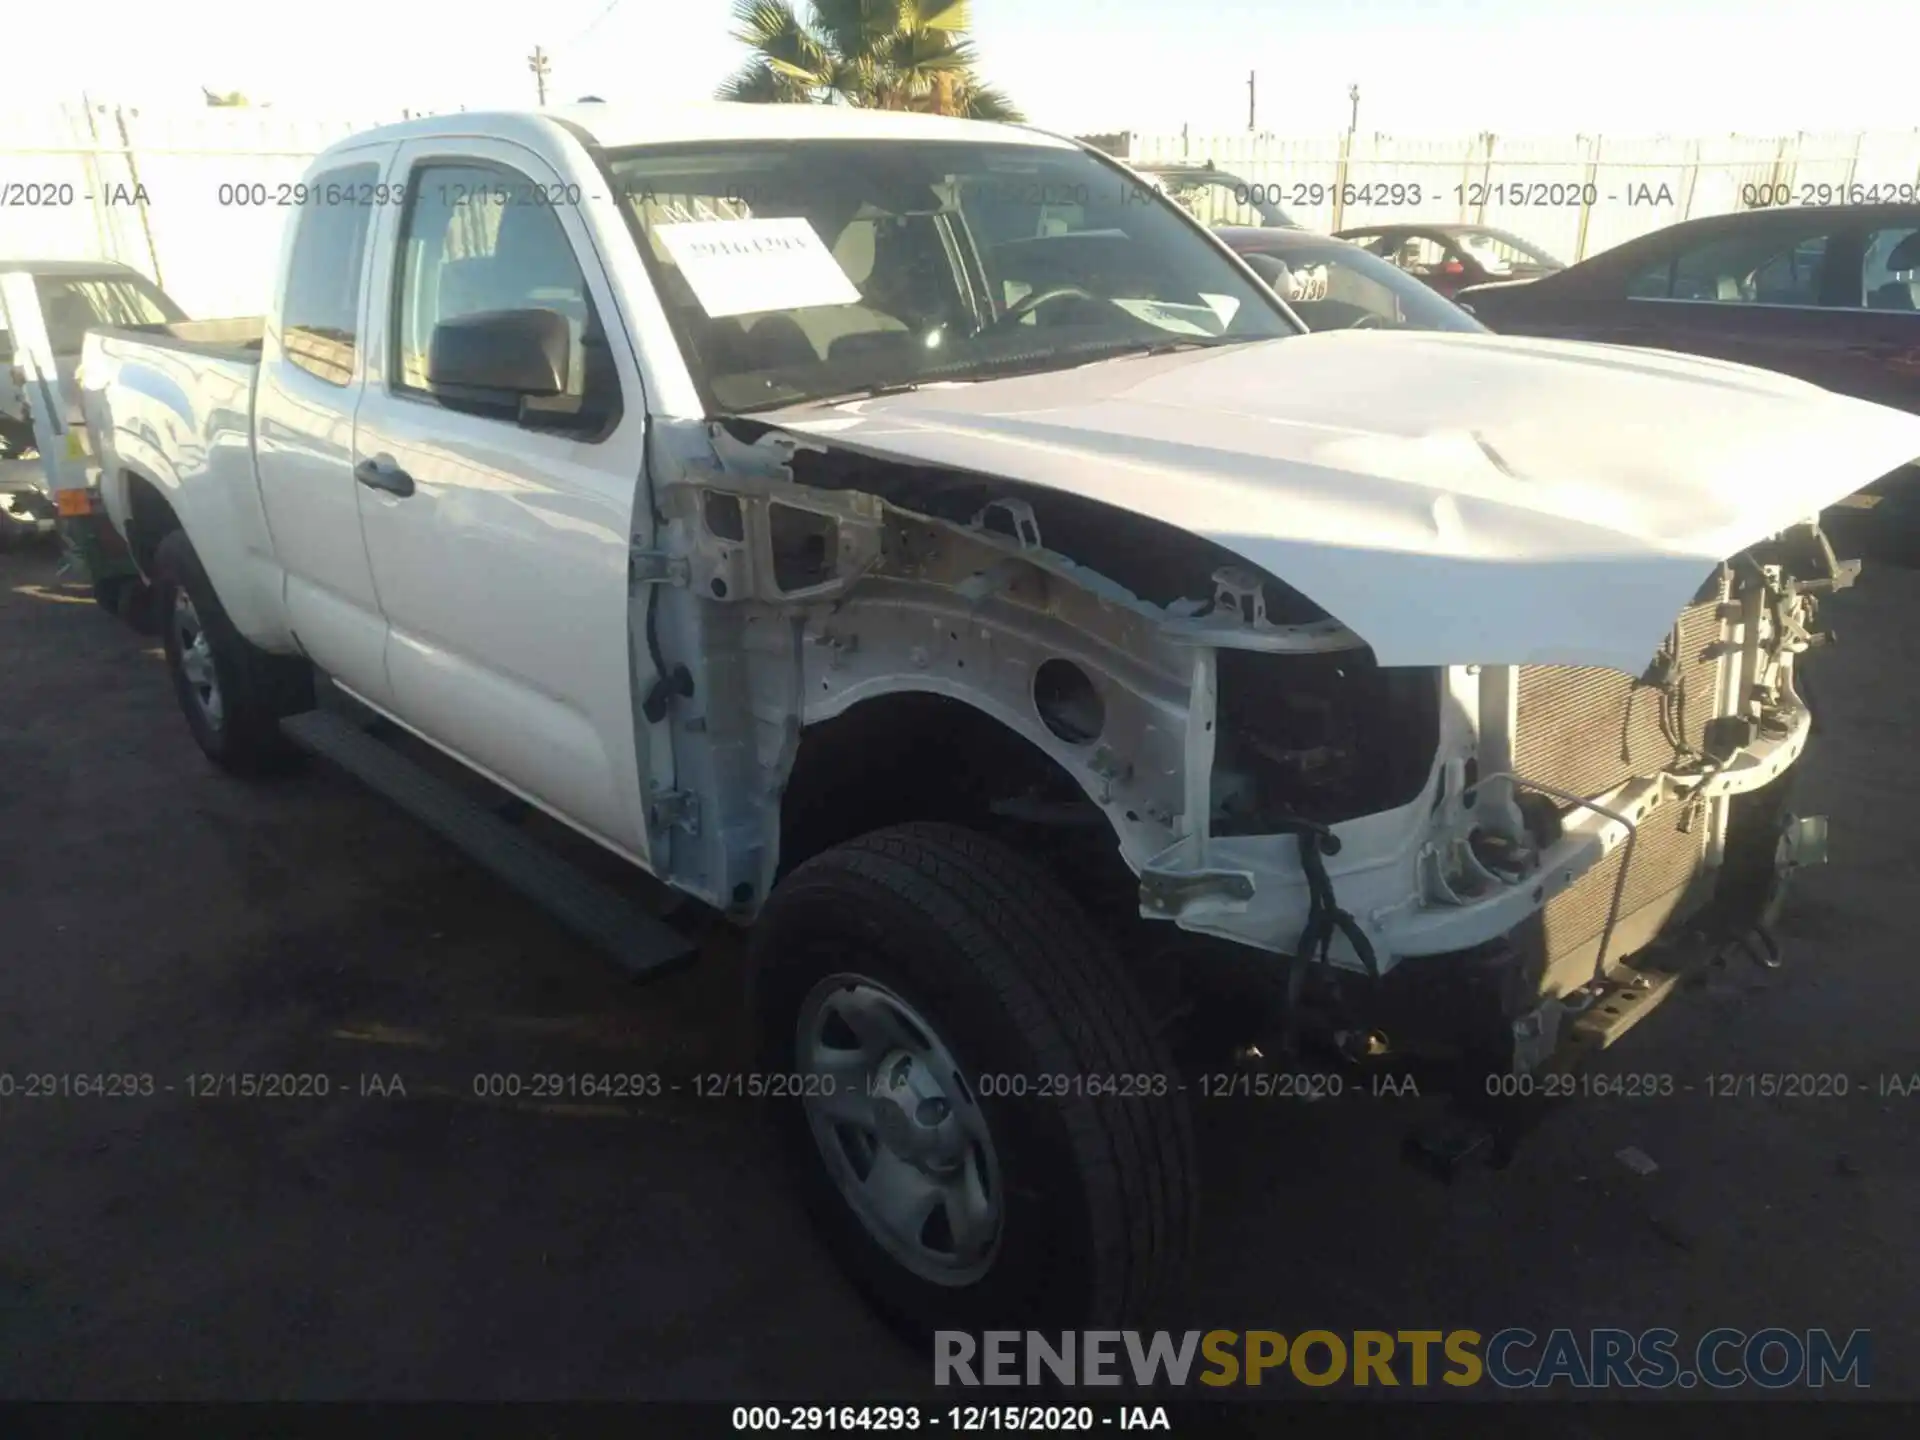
71, 304
326, 271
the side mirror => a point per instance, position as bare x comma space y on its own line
499, 357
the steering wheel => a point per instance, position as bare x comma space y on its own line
1027, 304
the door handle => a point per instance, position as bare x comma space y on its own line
383, 474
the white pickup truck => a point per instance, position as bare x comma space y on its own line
923, 542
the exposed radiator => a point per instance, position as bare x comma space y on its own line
1665, 857
1587, 730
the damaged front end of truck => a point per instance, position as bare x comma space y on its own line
1309, 853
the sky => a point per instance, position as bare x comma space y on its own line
1441, 67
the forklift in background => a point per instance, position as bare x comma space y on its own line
57, 489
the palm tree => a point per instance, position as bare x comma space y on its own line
881, 54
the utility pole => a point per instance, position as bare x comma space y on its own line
1353, 120
1249, 100
537, 63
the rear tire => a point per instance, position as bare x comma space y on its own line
128, 599
232, 693
1018, 1073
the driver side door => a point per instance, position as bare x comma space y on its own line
500, 538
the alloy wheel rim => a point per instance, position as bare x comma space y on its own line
196, 660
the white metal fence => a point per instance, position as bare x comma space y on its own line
195, 198
1573, 196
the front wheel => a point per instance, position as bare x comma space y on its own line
232, 693
984, 1125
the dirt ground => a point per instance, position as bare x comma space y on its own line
159, 919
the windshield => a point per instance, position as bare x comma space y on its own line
1343, 287
795, 272
1217, 199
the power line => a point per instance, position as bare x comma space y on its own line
541, 62
591, 26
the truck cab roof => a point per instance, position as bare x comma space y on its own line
66, 267
617, 126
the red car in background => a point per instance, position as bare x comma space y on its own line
1452, 257
1332, 285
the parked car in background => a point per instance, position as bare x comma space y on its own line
1219, 198
1830, 294
1333, 285
47, 475
74, 294
1452, 257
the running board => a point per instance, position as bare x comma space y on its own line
641, 943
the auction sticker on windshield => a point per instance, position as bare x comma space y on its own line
741, 267
1181, 319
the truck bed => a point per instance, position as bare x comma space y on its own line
173, 404
235, 339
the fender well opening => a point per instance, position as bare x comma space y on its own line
150, 519
916, 756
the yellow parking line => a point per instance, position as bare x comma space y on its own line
374, 1033
40, 592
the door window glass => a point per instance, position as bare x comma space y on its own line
1779, 266
1655, 282
481, 240
1890, 274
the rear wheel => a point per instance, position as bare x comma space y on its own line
127, 598
985, 1128
232, 693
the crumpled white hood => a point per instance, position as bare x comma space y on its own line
1452, 498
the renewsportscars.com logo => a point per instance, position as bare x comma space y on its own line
1511, 1359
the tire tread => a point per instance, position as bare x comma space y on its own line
1056, 975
